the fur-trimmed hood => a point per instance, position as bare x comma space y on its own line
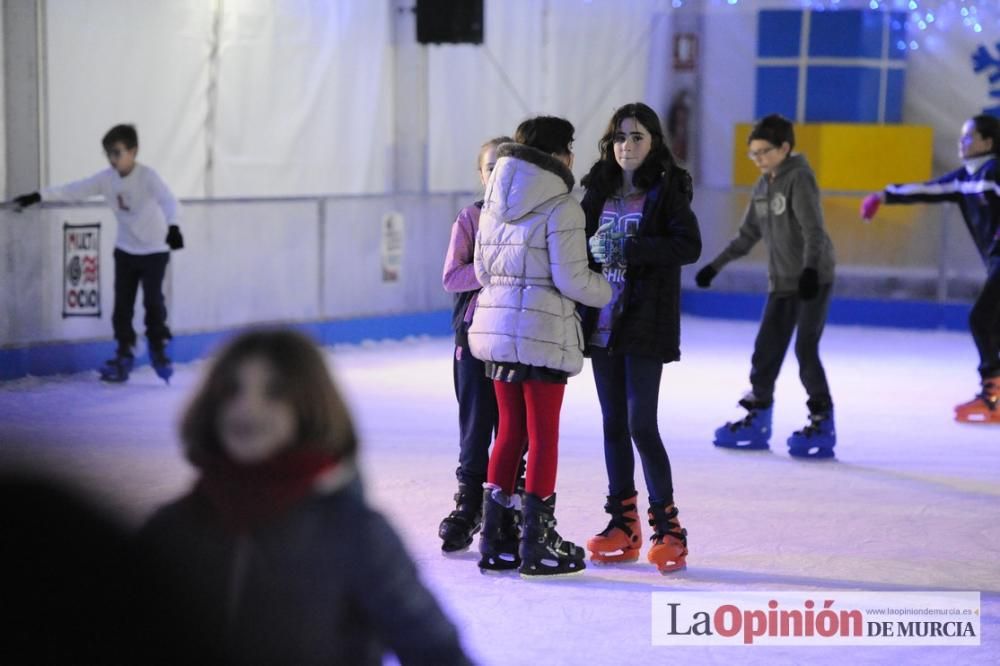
523, 178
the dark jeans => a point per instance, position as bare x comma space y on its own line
131, 270
984, 321
783, 314
628, 387
477, 416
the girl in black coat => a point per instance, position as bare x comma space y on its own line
641, 230
274, 553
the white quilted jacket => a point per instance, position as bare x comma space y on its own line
531, 258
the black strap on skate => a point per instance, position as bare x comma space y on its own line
618, 518
665, 523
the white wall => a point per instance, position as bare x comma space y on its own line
303, 101
243, 262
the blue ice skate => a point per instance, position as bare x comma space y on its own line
817, 439
116, 370
750, 434
161, 364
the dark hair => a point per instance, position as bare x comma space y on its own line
302, 379
989, 128
548, 134
492, 143
125, 134
775, 129
606, 174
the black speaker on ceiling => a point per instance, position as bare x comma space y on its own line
450, 21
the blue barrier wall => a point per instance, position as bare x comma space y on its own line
51, 359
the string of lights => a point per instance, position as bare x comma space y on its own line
923, 17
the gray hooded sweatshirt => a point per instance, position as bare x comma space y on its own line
531, 258
786, 213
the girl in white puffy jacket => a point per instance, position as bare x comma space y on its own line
531, 258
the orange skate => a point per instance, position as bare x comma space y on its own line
621, 539
984, 408
669, 550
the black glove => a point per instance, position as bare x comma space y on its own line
705, 276
174, 238
808, 284
25, 200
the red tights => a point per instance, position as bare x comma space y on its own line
528, 411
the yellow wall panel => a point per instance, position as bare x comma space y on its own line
850, 156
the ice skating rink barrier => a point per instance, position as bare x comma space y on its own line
337, 261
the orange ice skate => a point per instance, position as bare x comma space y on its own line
669, 550
621, 539
984, 408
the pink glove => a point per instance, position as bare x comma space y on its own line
869, 206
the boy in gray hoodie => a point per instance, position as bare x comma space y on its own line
785, 211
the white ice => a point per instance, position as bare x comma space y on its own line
911, 503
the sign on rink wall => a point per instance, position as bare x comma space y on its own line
393, 241
81, 270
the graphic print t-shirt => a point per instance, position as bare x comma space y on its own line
625, 214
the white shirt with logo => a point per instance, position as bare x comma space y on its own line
141, 202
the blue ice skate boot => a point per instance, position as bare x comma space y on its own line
750, 434
161, 363
817, 439
116, 370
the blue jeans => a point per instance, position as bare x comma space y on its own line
477, 416
628, 387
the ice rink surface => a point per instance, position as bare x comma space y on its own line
912, 501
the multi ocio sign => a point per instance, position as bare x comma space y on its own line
81, 270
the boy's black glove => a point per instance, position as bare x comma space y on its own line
808, 284
705, 276
174, 238
25, 200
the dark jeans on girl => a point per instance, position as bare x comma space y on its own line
477, 416
628, 387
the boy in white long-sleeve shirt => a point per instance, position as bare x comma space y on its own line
146, 211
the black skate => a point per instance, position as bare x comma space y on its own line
458, 528
161, 363
116, 370
543, 551
498, 541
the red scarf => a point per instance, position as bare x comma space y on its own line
248, 496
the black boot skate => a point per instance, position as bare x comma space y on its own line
116, 370
498, 540
161, 362
458, 528
543, 551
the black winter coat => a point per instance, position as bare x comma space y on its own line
647, 320
328, 583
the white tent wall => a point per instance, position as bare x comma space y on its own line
3, 119
115, 61
304, 100
942, 90
302, 103
579, 60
